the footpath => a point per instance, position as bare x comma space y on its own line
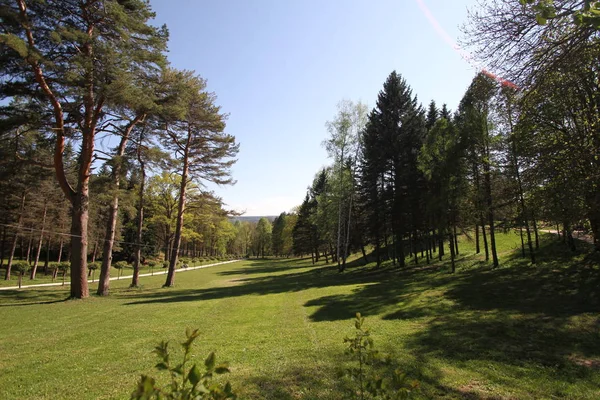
38, 285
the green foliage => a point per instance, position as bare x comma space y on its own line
186, 383
588, 15
121, 265
20, 266
370, 384
94, 266
64, 266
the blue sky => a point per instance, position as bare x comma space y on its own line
279, 67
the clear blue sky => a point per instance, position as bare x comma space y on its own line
279, 67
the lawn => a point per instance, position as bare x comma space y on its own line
520, 331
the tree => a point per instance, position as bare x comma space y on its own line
263, 237
194, 132
391, 181
343, 147
77, 66
278, 238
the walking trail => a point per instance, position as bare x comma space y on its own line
37, 285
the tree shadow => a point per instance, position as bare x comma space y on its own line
318, 277
16, 297
257, 266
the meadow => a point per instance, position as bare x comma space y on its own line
520, 331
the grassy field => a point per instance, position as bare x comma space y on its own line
520, 331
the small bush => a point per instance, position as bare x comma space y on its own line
185, 384
370, 384
20, 267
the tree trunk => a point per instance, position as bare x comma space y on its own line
140, 220
2, 244
477, 248
13, 246
522, 241
79, 244
535, 231
490, 213
452, 248
364, 253
113, 210
29, 244
95, 251
456, 239
41, 241
180, 211
47, 260
60, 249
484, 236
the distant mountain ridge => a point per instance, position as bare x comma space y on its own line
252, 218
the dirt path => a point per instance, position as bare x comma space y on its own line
576, 235
115, 278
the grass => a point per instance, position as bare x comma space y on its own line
519, 331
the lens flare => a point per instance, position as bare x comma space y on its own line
463, 54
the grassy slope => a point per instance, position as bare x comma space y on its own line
516, 332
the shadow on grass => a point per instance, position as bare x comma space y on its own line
257, 266
14, 298
317, 277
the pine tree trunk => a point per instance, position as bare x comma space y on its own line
60, 249
180, 212
47, 260
140, 219
522, 241
456, 240
2, 244
452, 247
41, 241
535, 231
13, 246
364, 253
29, 244
79, 244
477, 248
94, 253
490, 211
484, 236
113, 211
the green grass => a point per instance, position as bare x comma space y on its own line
519, 331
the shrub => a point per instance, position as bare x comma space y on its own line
119, 266
370, 385
20, 267
185, 384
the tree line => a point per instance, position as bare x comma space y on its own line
408, 180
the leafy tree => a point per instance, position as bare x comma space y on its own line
263, 237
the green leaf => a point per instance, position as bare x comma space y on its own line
210, 361
540, 20
194, 375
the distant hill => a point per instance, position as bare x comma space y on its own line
249, 218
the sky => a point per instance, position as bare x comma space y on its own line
280, 67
